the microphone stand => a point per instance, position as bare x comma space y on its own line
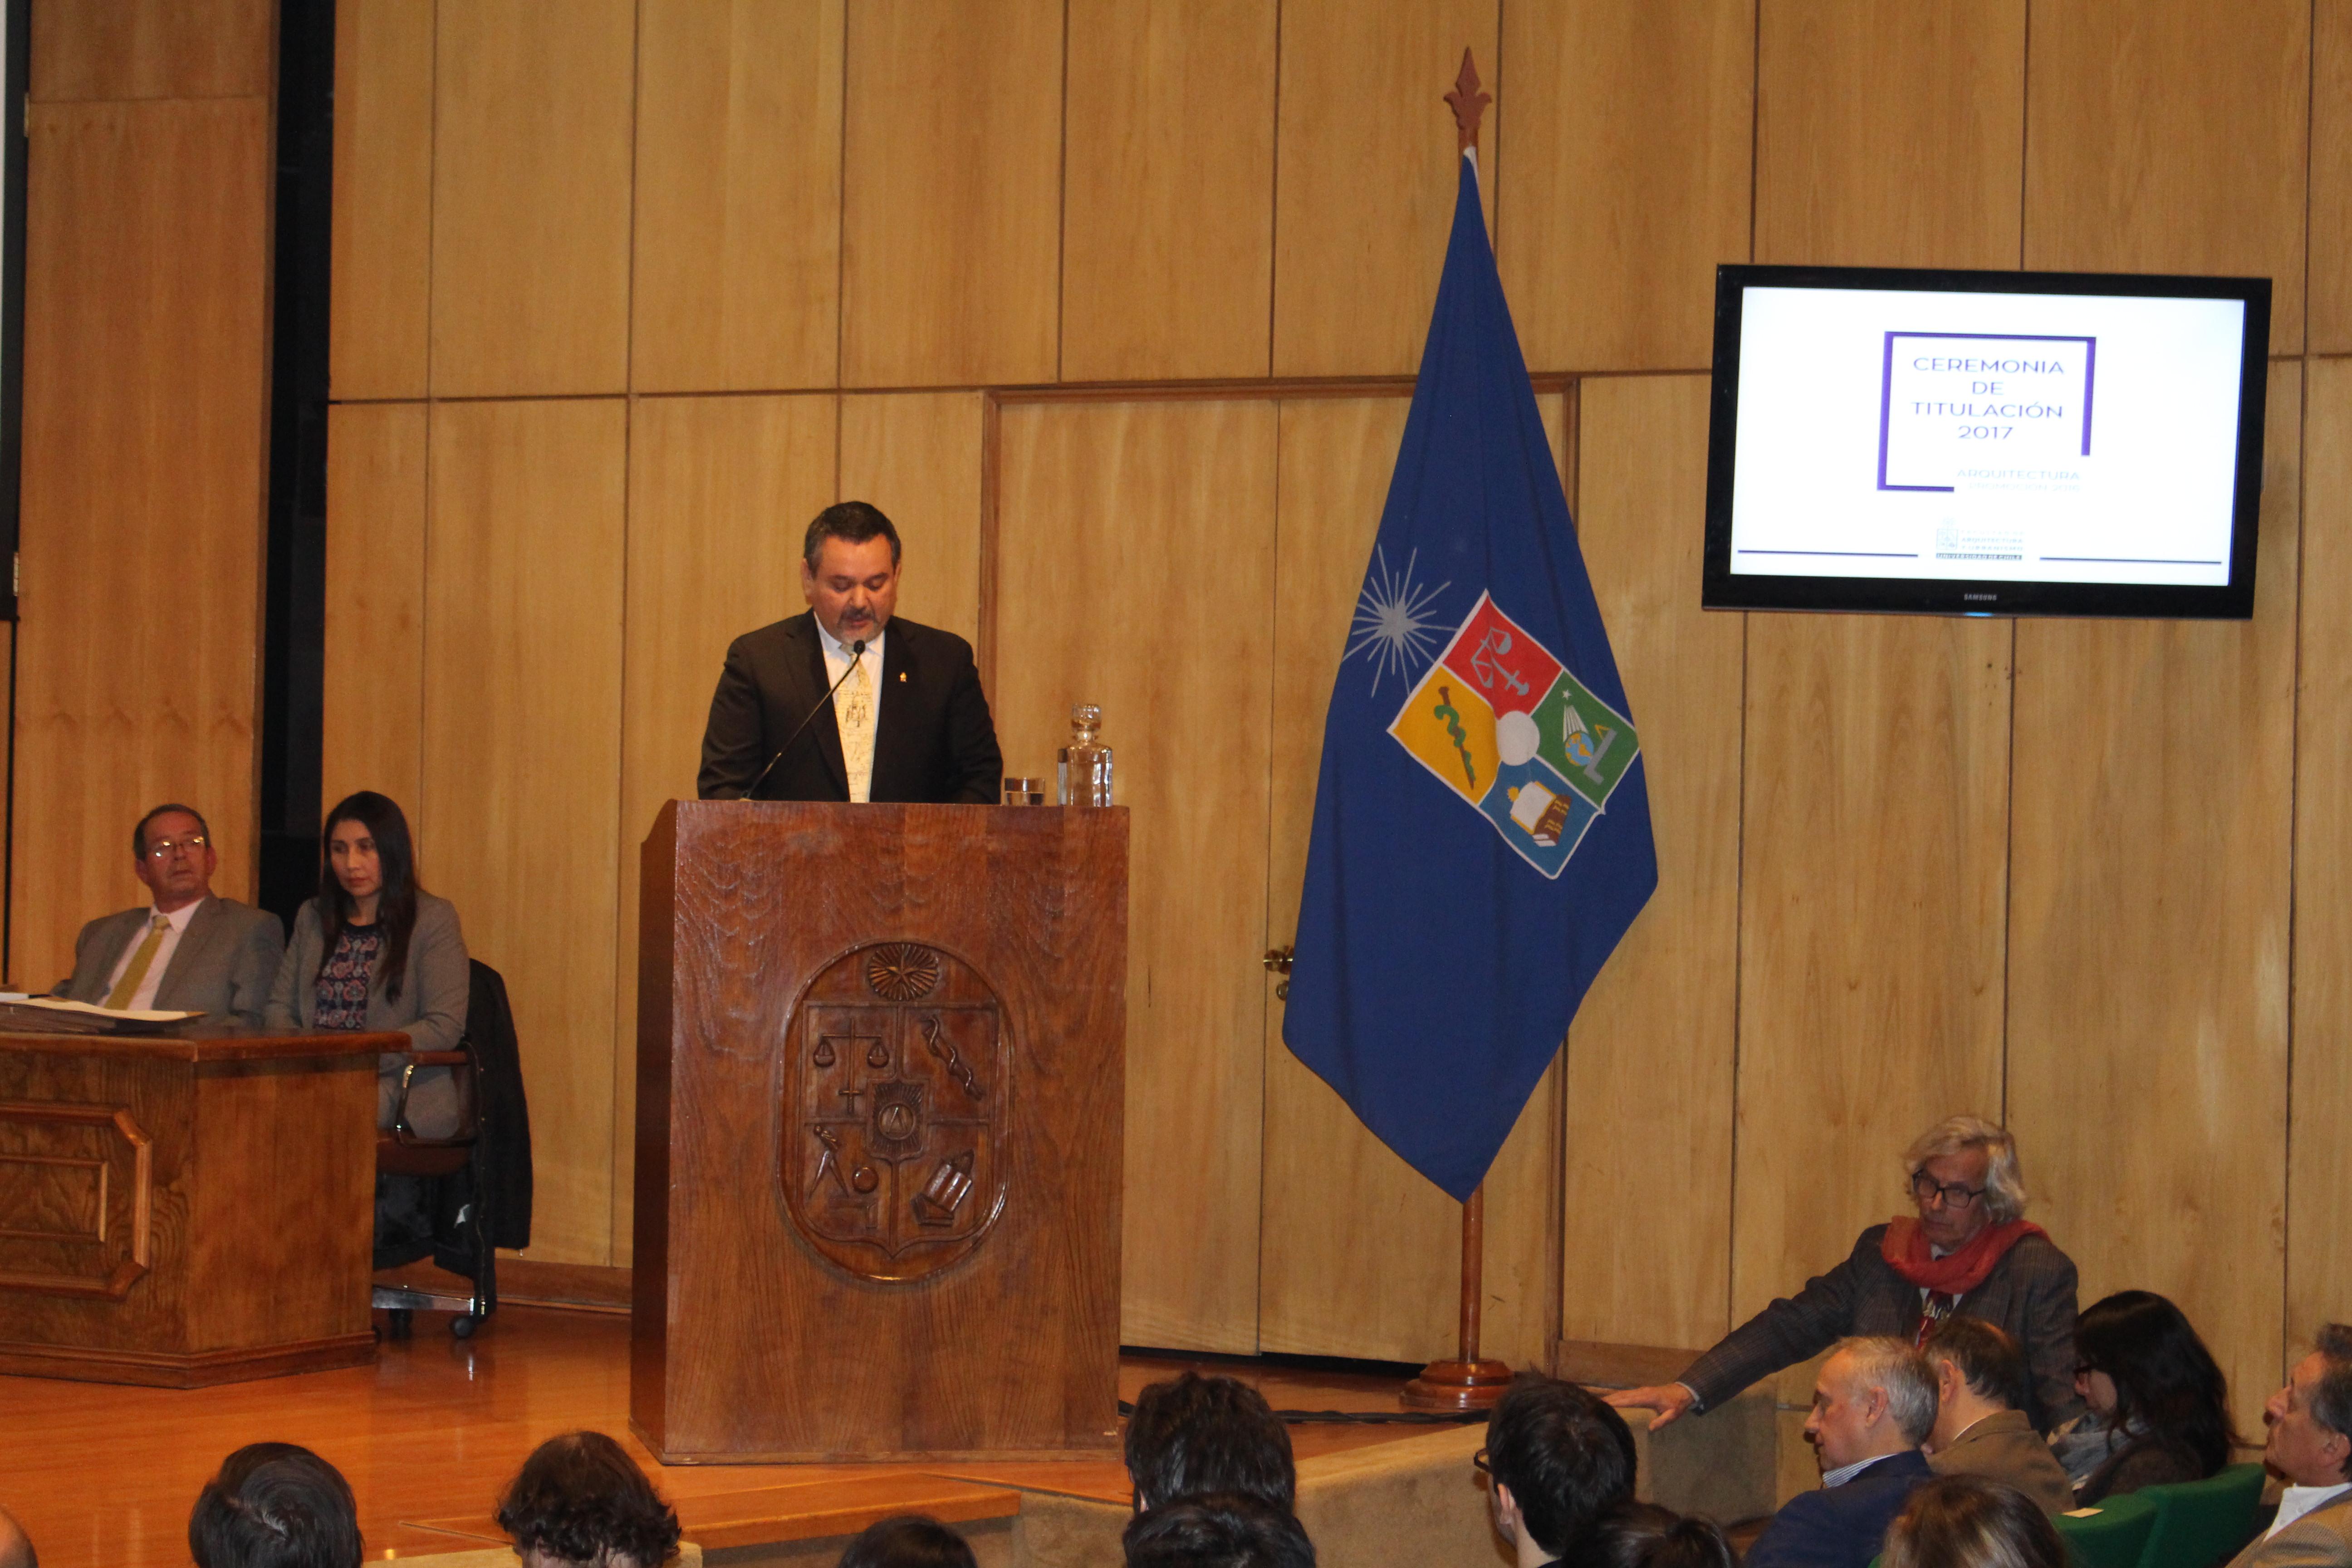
857, 652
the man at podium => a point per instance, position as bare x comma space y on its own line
906, 718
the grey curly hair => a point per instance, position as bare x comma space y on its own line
2005, 1178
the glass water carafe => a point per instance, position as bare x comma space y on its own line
1085, 764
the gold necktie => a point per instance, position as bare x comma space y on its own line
127, 986
857, 731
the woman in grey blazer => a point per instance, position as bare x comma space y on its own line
374, 950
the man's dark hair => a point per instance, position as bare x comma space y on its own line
582, 1499
2331, 1396
1643, 1535
907, 1540
1989, 1361
855, 521
1564, 1453
1191, 1435
139, 834
1217, 1529
275, 1505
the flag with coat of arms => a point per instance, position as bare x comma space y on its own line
1482, 828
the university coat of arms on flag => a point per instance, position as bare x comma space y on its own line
1482, 828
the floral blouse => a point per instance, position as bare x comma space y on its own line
344, 982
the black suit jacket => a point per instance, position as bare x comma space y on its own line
933, 738
1841, 1527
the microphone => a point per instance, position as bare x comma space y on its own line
857, 652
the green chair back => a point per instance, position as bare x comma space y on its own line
2115, 1536
2201, 1523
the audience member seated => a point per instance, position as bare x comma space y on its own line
1192, 1434
16, 1546
1979, 1429
1970, 1251
194, 951
375, 951
1559, 1457
1643, 1535
275, 1505
2160, 1409
1874, 1404
1973, 1521
1216, 1529
910, 1540
580, 1501
2310, 1448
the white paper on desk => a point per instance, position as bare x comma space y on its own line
142, 1015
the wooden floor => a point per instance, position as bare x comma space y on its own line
102, 1476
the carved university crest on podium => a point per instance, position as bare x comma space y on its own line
897, 1088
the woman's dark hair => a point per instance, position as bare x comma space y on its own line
395, 906
275, 1505
1217, 1529
1564, 1453
1973, 1521
581, 1497
2165, 1380
1643, 1535
909, 1541
1192, 1434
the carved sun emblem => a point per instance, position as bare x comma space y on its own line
900, 972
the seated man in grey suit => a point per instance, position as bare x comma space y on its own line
1979, 1431
193, 951
2310, 1448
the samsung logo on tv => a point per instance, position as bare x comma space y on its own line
1981, 596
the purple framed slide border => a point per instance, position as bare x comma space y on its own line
1886, 385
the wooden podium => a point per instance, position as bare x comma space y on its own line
880, 1082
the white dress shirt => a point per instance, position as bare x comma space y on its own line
2296, 1501
856, 726
144, 997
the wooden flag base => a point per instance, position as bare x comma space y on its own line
1468, 1382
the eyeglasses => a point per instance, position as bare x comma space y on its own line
1956, 1197
162, 848
1478, 1463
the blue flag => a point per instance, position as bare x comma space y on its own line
1482, 832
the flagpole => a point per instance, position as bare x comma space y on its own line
1467, 1382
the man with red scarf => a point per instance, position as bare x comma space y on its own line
1970, 1250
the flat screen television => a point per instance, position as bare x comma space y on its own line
1985, 443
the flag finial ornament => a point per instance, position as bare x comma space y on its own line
1469, 103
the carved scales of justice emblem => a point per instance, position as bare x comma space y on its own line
897, 1094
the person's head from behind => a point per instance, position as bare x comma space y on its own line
1643, 1535
1192, 1434
2141, 1368
1973, 1521
275, 1505
2310, 1419
172, 855
849, 570
1963, 1176
1872, 1397
1217, 1529
1978, 1370
1558, 1456
580, 1501
907, 1540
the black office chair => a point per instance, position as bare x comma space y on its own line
400, 1151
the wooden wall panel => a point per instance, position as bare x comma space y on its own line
2125, 170
1647, 1206
1158, 519
154, 48
2149, 944
738, 195
382, 270
1367, 171
916, 455
1874, 844
2319, 1132
531, 198
721, 489
951, 232
2330, 248
1890, 134
144, 434
1628, 179
1168, 222
372, 731
520, 822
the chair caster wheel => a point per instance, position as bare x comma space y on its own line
463, 1325
403, 1323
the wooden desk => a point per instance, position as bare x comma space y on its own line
184, 1211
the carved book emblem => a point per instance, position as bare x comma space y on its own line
896, 1096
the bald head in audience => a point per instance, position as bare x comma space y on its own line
16, 1548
